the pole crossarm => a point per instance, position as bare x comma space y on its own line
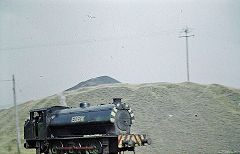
186, 36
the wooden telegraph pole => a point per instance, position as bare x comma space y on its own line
16, 115
186, 31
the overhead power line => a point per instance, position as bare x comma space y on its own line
86, 41
4, 80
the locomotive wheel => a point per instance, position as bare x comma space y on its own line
52, 148
44, 147
71, 144
97, 147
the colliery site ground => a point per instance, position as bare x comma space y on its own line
179, 118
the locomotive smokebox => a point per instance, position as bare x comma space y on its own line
84, 105
117, 100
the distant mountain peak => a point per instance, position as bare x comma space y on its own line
95, 82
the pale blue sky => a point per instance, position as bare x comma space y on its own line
134, 41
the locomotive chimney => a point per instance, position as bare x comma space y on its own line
84, 105
117, 100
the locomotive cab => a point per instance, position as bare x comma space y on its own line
35, 127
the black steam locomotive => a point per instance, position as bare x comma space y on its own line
88, 129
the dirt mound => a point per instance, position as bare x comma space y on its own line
180, 118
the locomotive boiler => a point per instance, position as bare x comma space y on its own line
87, 129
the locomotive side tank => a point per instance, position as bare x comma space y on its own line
113, 118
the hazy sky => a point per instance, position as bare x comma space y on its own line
51, 45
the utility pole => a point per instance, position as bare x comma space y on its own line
16, 115
186, 31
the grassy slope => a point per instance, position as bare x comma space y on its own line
179, 118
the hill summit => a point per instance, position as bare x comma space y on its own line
94, 82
